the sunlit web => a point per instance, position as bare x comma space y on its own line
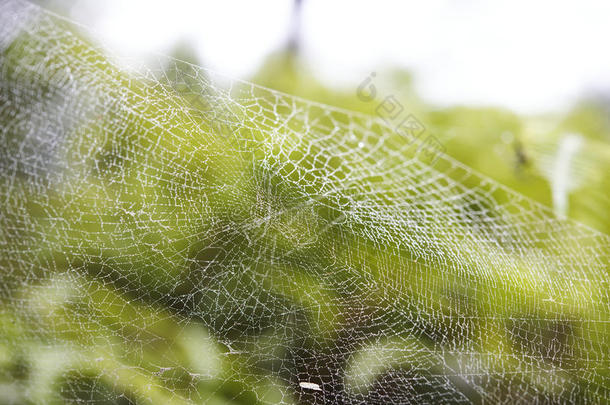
168, 235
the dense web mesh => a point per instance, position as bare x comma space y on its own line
171, 236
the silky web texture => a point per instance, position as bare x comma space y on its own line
171, 236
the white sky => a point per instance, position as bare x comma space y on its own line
531, 56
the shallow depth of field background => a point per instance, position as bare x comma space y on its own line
519, 91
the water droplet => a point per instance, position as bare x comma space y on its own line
310, 386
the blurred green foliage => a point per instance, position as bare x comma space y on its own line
173, 268
517, 151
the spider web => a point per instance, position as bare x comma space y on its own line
169, 235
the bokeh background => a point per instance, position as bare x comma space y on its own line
198, 310
519, 91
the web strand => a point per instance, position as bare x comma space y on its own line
168, 235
